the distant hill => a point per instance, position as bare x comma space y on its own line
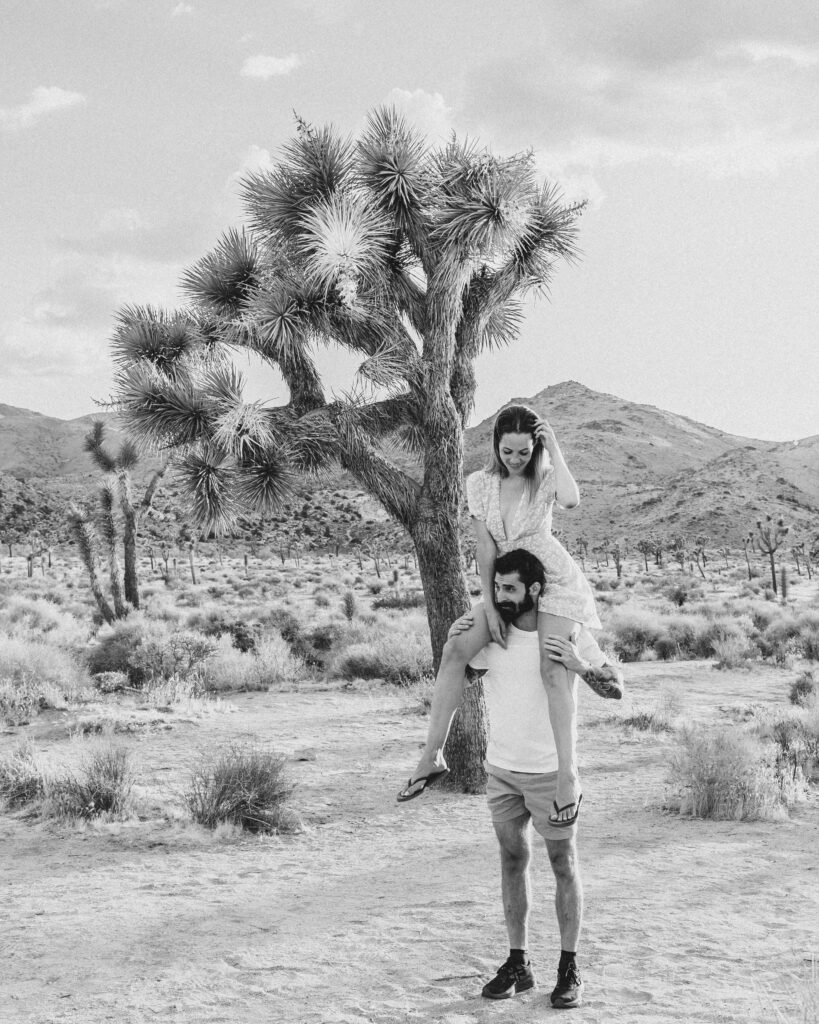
640, 469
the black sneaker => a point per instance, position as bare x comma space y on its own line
568, 992
511, 978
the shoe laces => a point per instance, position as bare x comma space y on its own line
512, 969
569, 975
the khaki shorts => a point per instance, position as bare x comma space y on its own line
511, 794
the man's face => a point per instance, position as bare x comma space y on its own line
511, 596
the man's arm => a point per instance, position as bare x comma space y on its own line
606, 680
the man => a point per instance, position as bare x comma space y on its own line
521, 762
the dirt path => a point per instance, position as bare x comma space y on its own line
387, 913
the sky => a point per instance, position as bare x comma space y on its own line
690, 128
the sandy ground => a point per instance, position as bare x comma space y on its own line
380, 912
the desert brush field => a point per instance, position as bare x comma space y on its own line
199, 820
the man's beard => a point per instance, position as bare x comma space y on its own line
511, 610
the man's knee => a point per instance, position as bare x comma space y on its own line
564, 860
515, 846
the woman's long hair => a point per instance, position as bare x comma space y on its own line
519, 419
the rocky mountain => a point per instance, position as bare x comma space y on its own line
640, 470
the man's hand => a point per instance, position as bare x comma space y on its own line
466, 621
564, 650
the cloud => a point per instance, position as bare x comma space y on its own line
44, 100
263, 66
64, 338
728, 87
426, 110
755, 50
181, 9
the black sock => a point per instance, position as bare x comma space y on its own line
566, 958
518, 956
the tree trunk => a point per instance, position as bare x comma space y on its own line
129, 544
773, 572
439, 563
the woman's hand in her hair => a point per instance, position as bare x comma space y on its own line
546, 436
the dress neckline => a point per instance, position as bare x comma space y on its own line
510, 533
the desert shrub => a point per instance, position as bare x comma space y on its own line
732, 651
242, 785
727, 774
245, 636
808, 626
634, 631
21, 778
116, 643
36, 675
289, 627
401, 600
102, 786
321, 600
401, 660
375, 588
803, 690
270, 663
111, 682
660, 717
179, 653
23, 615
795, 731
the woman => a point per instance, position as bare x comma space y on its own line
511, 505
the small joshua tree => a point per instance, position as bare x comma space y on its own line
116, 496
769, 537
646, 547
699, 555
617, 554
679, 550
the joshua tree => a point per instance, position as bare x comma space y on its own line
770, 536
646, 547
679, 549
118, 472
416, 260
617, 554
699, 555
748, 542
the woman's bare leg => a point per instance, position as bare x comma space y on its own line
561, 689
449, 687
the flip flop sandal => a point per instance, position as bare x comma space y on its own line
427, 780
565, 822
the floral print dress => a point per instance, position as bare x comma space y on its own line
567, 591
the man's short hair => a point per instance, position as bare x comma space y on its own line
528, 566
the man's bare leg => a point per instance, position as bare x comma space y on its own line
515, 854
568, 890
569, 908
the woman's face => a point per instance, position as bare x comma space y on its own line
515, 451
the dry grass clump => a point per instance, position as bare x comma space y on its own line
728, 774
245, 786
271, 662
36, 675
28, 616
21, 778
659, 718
401, 599
101, 787
804, 691
401, 659
795, 731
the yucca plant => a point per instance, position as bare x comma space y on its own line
416, 259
